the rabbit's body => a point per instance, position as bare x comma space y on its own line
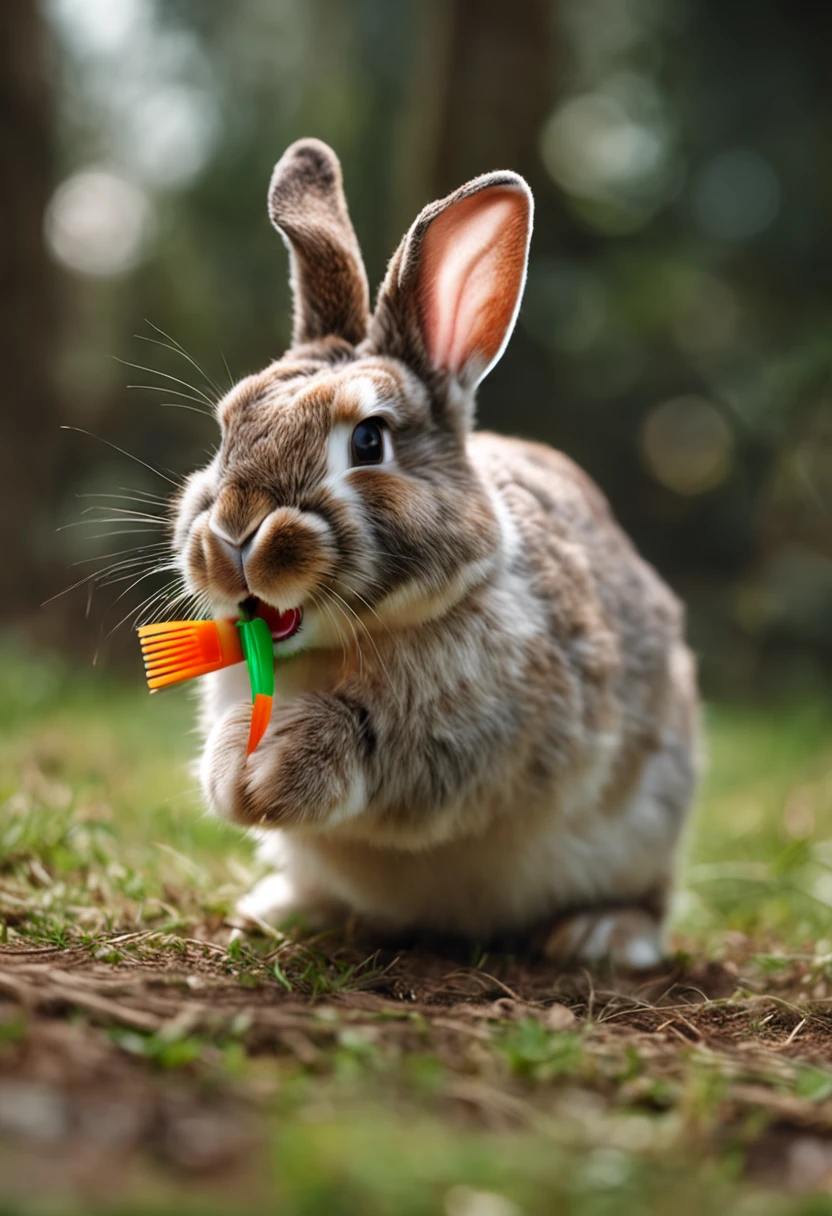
489, 717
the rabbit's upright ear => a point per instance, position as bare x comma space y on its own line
308, 208
453, 287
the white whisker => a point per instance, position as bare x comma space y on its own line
162, 606
369, 608
337, 627
165, 376
329, 593
89, 579
136, 612
177, 405
78, 523
80, 430
148, 495
147, 574
117, 532
125, 514
370, 637
133, 497
164, 388
178, 349
159, 544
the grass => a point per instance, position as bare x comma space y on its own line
143, 1057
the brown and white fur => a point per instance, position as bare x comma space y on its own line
488, 720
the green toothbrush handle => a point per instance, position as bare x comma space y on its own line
258, 651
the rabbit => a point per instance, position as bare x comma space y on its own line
486, 720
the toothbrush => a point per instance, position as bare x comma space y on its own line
174, 651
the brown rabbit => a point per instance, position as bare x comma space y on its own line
486, 721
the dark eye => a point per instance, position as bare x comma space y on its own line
367, 443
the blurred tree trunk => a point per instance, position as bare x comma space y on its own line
484, 80
500, 89
27, 348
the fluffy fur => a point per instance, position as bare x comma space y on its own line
488, 720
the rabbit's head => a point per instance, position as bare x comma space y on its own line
342, 483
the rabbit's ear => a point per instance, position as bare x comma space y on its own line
453, 287
309, 210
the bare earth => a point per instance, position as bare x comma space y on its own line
115, 1052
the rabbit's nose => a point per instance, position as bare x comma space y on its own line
248, 544
238, 550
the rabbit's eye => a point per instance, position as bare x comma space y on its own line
368, 443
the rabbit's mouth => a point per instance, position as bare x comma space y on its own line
281, 624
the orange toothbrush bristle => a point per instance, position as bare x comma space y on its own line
179, 650
260, 714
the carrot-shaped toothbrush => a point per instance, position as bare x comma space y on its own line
174, 651
256, 638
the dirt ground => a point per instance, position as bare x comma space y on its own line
115, 1053
150, 1064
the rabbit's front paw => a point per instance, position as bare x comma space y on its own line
306, 769
222, 767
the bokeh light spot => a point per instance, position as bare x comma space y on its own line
96, 223
173, 135
103, 27
591, 145
687, 445
736, 195
467, 1201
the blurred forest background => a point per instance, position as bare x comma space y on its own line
676, 335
